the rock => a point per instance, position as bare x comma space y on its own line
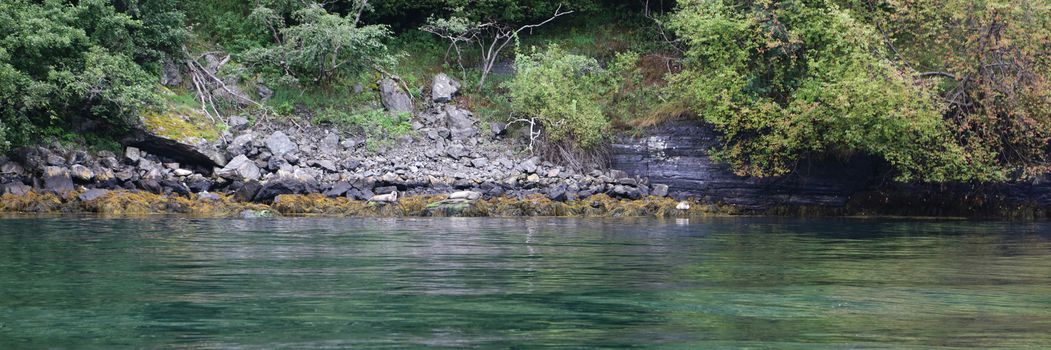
557, 194
497, 128
528, 166
193, 151
55, 160
479, 162
330, 143
81, 173
237, 122
199, 184
57, 179
443, 88
279, 144
660, 190
338, 190
618, 174
326, 165
182, 172
456, 151
385, 198
92, 194
385, 189
264, 92
468, 195
12, 168
275, 188
554, 173
447, 208
683, 206
460, 123
208, 197
15, 189
170, 73
247, 191
240, 169
394, 99
533, 178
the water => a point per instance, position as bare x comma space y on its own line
518, 283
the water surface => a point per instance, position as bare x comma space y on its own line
524, 283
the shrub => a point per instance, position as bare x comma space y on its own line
379, 127
792, 79
564, 93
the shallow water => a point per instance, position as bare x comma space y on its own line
524, 283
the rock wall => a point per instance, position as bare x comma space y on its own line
675, 154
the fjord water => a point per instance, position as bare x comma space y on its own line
523, 283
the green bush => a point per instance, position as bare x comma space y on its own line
792, 79
379, 127
321, 48
564, 93
4, 144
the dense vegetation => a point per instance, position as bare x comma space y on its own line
951, 90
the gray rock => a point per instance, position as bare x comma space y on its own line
443, 88
330, 143
279, 144
170, 73
264, 92
528, 166
241, 169
182, 172
327, 165
479, 162
272, 189
660, 190
394, 99
92, 194
81, 173
15, 189
557, 194
618, 174
456, 151
385, 189
55, 160
497, 128
57, 179
208, 197
237, 122
338, 190
12, 168
460, 123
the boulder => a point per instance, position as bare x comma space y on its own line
528, 166
394, 99
278, 187
15, 189
57, 179
132, 155
182, 172
81, 173
338, 190
241, 169
497, 128
456, 151
12, 168
247, 191
443, 88
660, 190
468, 195
279, 144
447, 208
460, 123
557, 194
92, 194
237, 122
170, 73
264, 92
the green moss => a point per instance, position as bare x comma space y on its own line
181, 124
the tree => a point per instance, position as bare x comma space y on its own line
322, 47
491, 37
784, 80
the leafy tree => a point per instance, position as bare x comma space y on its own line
785, 80
562, 93
322, 47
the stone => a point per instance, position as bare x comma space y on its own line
264, 92
92, 194
447, 208
324, 164
182, 172
468, 195
618, 174
456, 151
170, 73
57, 179
385, 198
241, 169
660, 190
460, 123
247, 191
554, 173
533, 178
443, 88
393, 98
132, 155
528, 166
385, 189
12, 168
81, 173
330, 143
208, 197
278, 187
497, 128
55, 160
479, 162
15, 189
237, 122
191, 150
338, 190
557, 194
279, 144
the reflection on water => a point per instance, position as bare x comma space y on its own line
375, 283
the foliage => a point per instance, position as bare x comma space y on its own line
380, 128
322, 47
563, 92
4, 144
84, 62
785, 80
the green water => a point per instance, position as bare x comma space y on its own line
515, 283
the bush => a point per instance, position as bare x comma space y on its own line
379, 127
799, 78
4, 144
321, 48
564, 93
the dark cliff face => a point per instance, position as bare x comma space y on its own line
675, 154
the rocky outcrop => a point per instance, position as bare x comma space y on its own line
196, 152
393, 97
443, 88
